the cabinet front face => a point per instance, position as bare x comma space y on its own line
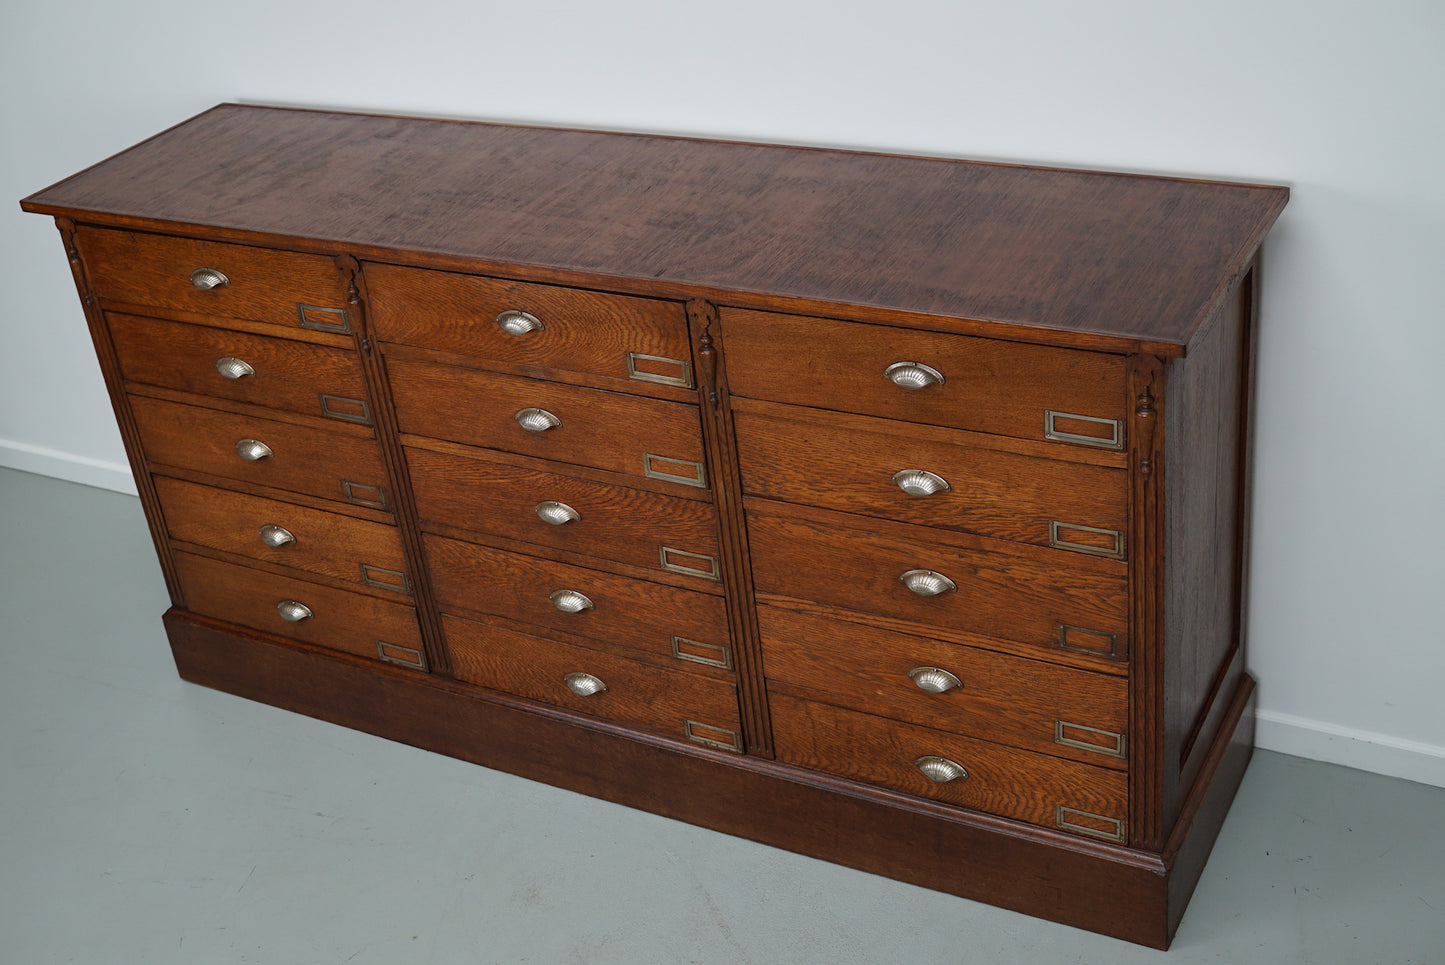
609, 461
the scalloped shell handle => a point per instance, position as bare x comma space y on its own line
935, 680
913, 375
927, 582
584, 684
920, 482
940, 770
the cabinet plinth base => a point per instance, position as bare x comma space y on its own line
1133, 895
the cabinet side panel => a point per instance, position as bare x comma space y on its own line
1204, 537
100, 336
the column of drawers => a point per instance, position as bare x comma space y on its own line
937, 526
555, 450
256, 429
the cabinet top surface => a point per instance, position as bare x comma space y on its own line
1127, 257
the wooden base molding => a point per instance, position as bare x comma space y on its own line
1132, 895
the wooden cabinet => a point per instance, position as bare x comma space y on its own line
891, 510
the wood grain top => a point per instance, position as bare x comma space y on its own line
1139, 261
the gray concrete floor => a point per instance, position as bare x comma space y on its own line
143, 819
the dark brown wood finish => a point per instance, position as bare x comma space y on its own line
367, 555
987, 242
203, 439
999, 697
987, 385
130, 432
716, 322
486, 493
682, 705
605, 430
1023, 593
291, 375
580, 331
720, 437
1066, 878
626, 612
1146, 394
848, 463
340, 619
1207, 436
263, 285
1006, 781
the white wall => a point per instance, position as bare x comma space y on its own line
1346, 102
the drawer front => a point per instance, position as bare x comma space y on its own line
633, 614
817, 461
992, 696
272, 372
604, 685
329, 464
277, 287
329, 544
975, 774
603, 430
1019, 593
987, 385
484, 494
632, 339
339, 619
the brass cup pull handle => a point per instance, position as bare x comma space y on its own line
583, 684
940, 770
536, 420
555, 513
233, 368
570, 601
927, 582
207, 278
920, 482
935, 680
273, 535
293, 612
253, 450
519, 323
913, 375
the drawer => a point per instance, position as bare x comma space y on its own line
1013, 783
367, 554
992, 696
331, 464
988, 385
633, 614
483, 493
277, 287
604, 685
604, 430
566, 329
338, 619
272, 372
1003, 590
858, 465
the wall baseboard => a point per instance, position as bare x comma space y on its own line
99, 473
1364, 750
1316, 740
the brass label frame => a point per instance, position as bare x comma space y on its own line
683, 381
340, 327
697, 481
1055, 434
713, 570
395, 653
722, 662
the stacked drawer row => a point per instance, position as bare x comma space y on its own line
257, 431
554, 446
937, 527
